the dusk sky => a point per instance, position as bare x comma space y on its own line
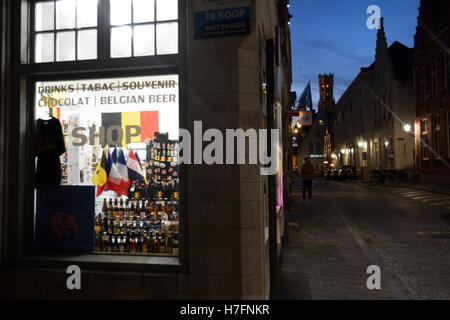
331, 36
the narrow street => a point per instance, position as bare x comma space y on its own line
350, 226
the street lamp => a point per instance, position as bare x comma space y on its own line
407, 128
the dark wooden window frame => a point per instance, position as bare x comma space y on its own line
18, 224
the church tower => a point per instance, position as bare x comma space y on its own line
326, 84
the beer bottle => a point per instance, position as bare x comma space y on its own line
109, 243
126, 247
169, 247
156, 242
132, 245
175, 250
104, 209
162, 243
127, 210
110, 208
150, 242
122, 244
121, 209
132, 211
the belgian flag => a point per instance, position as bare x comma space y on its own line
148, 121
100, 177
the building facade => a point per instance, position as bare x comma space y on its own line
370, 116
432, 91
316, 142
230, 216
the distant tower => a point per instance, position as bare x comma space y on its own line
326, 83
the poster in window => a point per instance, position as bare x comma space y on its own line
65, 218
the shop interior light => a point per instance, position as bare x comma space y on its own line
386, 143
343, 150
334, 156
360, 144
299, 125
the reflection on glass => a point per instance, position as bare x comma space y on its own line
166, 10
65, 46
144, 40
44, 16
87, 44
167, 38
44, 47
87, 13
121, 42
120, 12
143, 11
65, 14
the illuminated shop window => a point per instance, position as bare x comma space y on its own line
115, 142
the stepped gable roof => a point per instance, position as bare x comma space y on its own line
402, 61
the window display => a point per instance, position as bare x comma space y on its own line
121, 136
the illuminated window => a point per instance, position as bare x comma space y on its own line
68, 30
65, 30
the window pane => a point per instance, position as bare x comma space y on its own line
121, 42
65, 14
65, 46
143, 11
167, 10
144, 40
120, 12
44, 51
86, 13
87, 44
44, 16
167, 38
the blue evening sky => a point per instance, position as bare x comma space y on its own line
331, 36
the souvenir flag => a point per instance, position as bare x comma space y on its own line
100, 175
115, 182
123, 169
134, 168
114, 155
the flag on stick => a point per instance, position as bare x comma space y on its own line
100, 176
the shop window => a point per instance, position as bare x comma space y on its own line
65, 30
118, 139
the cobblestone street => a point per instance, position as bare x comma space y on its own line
348, 227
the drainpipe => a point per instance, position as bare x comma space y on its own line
270, 61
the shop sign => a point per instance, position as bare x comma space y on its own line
305, 118
65, 218
219, 18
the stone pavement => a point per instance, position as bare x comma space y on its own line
321, 259
350, 226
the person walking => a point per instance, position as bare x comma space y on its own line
307, 173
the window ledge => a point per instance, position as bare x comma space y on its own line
100, 261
